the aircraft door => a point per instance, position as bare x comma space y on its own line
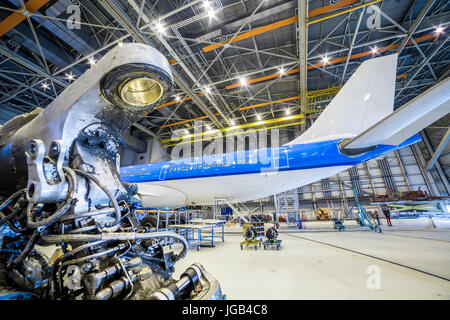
280, 158
162, 173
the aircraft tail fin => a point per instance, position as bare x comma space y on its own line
366, 98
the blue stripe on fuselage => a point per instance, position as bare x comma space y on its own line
290, 157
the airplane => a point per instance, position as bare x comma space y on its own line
359, 124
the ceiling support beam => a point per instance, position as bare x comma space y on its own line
439, 150
355, 35
424, 62
416, 23
303, 56
437, 165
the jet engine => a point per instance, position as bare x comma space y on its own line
68, 228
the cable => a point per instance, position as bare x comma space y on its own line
108, 193
72, 189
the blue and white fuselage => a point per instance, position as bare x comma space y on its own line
244, 175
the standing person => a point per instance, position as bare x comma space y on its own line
387, 214
375, 215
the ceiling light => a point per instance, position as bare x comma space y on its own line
91, 61
281, 71
243, 81
288, 112
374, 50
206, 4
160, 28
186, 131
207, 90
120, 44
177, 98
211, 13
325, 60
438, 30
70, 76
45, 85
258, 116
288, 118
208, 127
232, 122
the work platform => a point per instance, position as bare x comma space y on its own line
195, 232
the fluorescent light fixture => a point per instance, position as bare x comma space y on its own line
258, 116
288, 118
232, 122
367, 97
288, 112
208, 127
259, 123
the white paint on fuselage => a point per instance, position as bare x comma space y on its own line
238, 188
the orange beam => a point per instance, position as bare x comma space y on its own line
334, 61
271, 76
252, 33
330, 7
279, 24
185, 121
175, 101
267, 103
16, 17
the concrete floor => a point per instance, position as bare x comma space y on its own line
307, 270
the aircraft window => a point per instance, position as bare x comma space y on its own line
170, 170
182, 169
214, 164
229, 163
178, 169
234, 162
190, 168
245, 161
239, 161
195, 167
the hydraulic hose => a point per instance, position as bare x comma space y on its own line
108, 193
122, 236
73, 187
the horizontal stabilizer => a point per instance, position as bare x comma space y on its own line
403, 123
